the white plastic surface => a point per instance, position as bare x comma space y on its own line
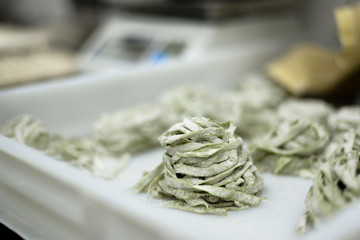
43, 198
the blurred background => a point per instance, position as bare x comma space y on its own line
48, 39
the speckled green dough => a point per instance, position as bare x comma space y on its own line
337, 183
27, 130
137, 128
345, 118
310, 109
205, 169
293, 147
84, 152
130, 130
188, 101
252, 105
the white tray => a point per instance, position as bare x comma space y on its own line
43, 198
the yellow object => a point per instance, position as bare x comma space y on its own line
314, 70
348, 20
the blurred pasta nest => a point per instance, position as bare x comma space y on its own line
130, 130
345, 118
252, 105
205, 169
292, 147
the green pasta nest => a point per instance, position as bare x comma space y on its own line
84, 152
130, 130
337, 182
205, 169
27, 130
292, 147
345, 118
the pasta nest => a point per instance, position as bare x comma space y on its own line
205, 169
